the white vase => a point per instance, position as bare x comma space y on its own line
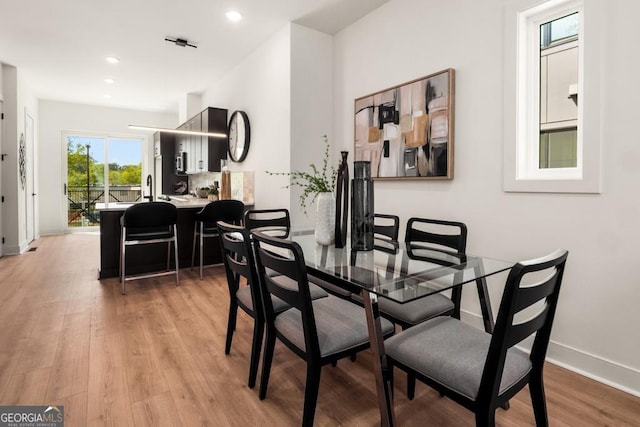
325, 219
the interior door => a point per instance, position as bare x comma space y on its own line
29, 190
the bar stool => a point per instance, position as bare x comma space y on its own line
229, 211
148, 223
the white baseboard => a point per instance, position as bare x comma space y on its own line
609, 372
51, 232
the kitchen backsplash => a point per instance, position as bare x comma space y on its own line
241, 184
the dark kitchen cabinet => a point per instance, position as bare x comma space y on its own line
165, 155
215, 120
204, 153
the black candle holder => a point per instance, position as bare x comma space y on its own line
342, 201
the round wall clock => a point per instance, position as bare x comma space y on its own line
239, 133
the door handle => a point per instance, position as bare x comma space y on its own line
33, 194
65, 189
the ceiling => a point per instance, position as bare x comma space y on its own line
60, 46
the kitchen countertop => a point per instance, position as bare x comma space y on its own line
178, 201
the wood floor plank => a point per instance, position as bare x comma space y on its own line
157, 411
144, 376
156, 357
75, 409
27, 388
108, 392
70, 371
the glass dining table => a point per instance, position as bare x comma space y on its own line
402, 273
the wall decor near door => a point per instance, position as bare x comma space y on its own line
22, 161
406, 131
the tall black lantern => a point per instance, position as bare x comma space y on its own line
362, 207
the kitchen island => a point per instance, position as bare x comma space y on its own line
148, 258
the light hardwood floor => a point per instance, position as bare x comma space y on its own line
156, 357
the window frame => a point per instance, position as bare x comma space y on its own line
522, 98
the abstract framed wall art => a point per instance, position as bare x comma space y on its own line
406, 131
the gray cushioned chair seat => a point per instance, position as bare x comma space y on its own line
454, 354
244, 294
341, 325
330, 286
416, 311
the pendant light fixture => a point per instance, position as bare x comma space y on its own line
182, 43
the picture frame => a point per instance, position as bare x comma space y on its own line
407, 131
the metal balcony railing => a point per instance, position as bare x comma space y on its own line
82, 202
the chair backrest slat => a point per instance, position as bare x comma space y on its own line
518, 332
286, 267
531, 294
389, 231
238, 266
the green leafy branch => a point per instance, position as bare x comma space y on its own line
313, 183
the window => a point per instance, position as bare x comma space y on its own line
552, 130
559, 31
100, 169
558, 97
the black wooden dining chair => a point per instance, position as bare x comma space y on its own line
481, 371
436, 233
274, 222
144, 224
239, 262
230, 211
385, 238
430, 233
319, 331
452, 235
277, 223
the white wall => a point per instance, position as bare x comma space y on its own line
16, 96
285, 88
56, 117
259, 85
10, 164
598, 317
311, 108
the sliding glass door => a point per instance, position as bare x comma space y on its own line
99, 169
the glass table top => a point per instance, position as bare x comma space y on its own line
395, 270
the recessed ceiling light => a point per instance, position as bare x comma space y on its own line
112, 59
233, 16
107, 97
109, 81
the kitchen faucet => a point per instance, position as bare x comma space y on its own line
150, 185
